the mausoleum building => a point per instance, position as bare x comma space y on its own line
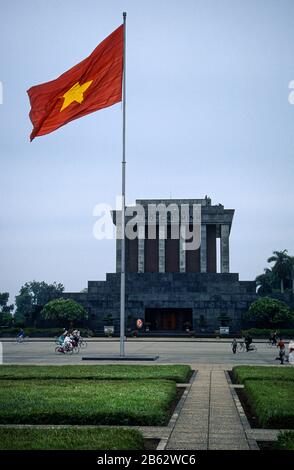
170, 287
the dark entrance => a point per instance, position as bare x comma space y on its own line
168, 319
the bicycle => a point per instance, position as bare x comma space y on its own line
64, 350
21, 339
82, 343
242, 347
271, 344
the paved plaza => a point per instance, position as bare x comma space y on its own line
209, 415
170, 351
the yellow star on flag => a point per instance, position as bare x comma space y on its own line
75, 93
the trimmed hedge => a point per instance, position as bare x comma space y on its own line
285, 441
272, 402
133, 402
39, 332
244, 373
265, 333
70, 439
178, 373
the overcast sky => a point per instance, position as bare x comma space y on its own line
207, 113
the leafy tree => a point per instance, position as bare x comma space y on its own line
292, 272
64, 311
282, 267
32, 298
5, 309
268, 313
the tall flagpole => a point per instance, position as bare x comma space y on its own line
123, 242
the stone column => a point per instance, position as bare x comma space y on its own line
118, 255
203, 254
225, 249
182, 240
161, 248
118, 241
141, 249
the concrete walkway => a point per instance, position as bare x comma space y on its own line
209, 419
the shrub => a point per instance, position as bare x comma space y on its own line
64, 311
272, 402
269, 313
265, 332
285, 441
39, 332
243, 373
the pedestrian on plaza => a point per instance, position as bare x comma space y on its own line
291, 353
275, 338
234, 345
282, 352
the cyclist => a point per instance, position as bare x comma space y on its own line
67, 344
20, 335
248, 341
62, 337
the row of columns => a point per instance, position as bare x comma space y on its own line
224, 252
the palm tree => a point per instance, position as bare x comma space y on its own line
282, 267
266, 282
292, 272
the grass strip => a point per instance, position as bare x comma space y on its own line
271, 402
285, 441
243, 373
179, 373
86, 402
70, 439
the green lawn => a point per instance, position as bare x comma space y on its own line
134, 402
272, 402
243, 373
270, 394
285, 441
70, 439
178, 373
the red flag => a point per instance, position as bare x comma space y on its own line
93, 84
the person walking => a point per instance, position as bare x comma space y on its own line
282, 352
275, 338
234, 345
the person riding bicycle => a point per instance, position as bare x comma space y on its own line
248, 341
75, 336
67, 343
62, 337
21, 334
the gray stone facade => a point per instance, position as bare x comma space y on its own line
208, 295
204, 293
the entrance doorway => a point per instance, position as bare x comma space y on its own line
168, 319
